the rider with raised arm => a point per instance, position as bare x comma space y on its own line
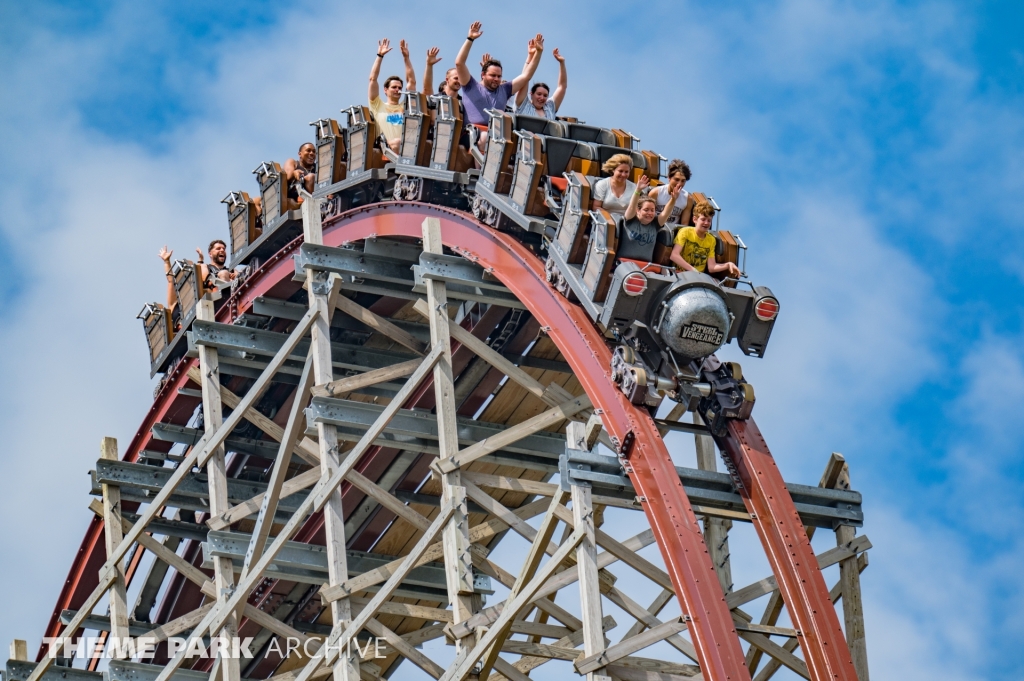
640, 224
540, 103
694, 247
490, 92
390, 112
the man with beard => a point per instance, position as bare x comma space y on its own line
490, 92
215, 269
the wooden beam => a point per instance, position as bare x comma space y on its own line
379, 324
541, 543
540, 422
849, 577
638, 612
363, 380
552, 394
455, 539
306, 448
250, 506
573, 640
465, 663
341, 637
767, 585
291, 435
113, 535
586, 558
204, 448
180, 624
107, 578
656, 606
217, 479
479, 533
404, 648
321, 300
631, 645
19, 650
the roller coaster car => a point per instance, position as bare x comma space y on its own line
189, 288
156, 320
244, 221
358, 173
425, 169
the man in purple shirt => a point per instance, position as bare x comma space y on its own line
490, 92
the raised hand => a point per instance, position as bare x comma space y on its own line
200, 252
674, 193
558, 57
538, 43
383, 46
165, 254
531, 47
476, 29
643, 183
432, 57
403, 48
484, 58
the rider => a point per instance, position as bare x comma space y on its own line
694, 247
390, 115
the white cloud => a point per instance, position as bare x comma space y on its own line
858, 309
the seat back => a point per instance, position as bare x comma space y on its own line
591, 133
156, 320
414, 148
330, 152
360, 139
189, 288
540, 125
600, 255
663, 246
500, 145
447, 131
272, 189
571, 238
652, 166
529, 167
560, 154
243, 222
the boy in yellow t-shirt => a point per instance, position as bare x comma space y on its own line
694, 247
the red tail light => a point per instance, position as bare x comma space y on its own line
766, 309
634, 284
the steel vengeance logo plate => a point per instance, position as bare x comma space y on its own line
702, 333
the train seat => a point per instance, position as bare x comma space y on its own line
600, 259
330, 152
571, 237
361, 141
540, 126
448, 125
274, 193
244, 222
495, 174
591, 133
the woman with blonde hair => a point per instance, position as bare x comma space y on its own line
613, 193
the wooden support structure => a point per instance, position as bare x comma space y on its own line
113, 536
217, 477
320, 288
456, 541
586, 563
409, 501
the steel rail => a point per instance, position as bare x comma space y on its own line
789, 553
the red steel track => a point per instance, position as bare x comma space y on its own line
652, 471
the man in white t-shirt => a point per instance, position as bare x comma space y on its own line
678, 176
390, 112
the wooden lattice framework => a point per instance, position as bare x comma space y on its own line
477, 486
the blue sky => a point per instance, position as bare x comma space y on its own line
871, 154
